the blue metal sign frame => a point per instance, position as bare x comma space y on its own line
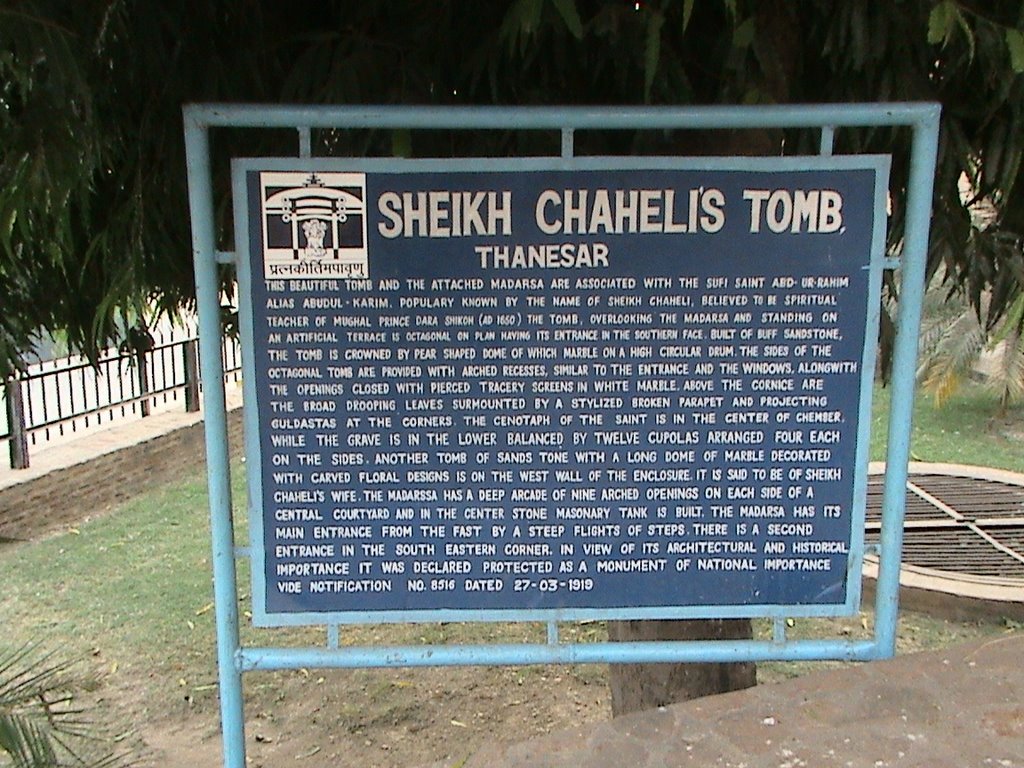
234, 659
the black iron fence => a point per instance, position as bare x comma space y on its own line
66, 396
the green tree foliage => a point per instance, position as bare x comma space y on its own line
93, 209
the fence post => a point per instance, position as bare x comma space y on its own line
18, 442
191, 351
140, 362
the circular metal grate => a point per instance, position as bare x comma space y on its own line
964, 520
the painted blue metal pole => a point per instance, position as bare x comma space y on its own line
579, 653
503, 118
197, 151
912, 286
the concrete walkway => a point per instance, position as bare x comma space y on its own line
91, 443
957, 708
85, 474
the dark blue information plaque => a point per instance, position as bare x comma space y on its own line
616, 388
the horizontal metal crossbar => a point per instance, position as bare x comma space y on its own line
251, 659
526, 118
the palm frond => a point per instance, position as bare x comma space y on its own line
953, 357
1012, 322
24, 741
1006, 378
43, 721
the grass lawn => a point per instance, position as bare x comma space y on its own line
966, 430
132, 589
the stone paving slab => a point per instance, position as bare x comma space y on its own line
956, 708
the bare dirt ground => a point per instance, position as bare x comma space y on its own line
375, 717
401, 718
397, 718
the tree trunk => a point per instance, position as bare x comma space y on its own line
636, 687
